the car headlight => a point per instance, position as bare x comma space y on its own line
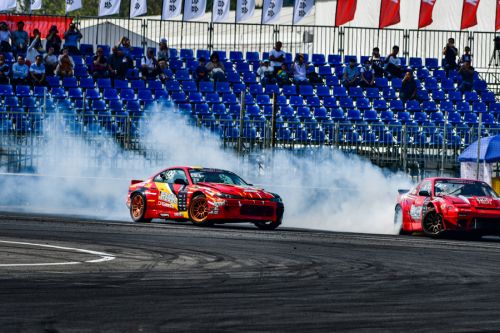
227, 196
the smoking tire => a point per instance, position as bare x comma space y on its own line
138, 207
398, 221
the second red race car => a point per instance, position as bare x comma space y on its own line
204, 196
439, 205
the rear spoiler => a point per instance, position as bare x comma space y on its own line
403, 191
135, 181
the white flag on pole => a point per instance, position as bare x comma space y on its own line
194, 9
109, 7
271, 10
220, 10
36, 4
171, 9
244, 10
7, 5
72, 5
302, 9
138, 8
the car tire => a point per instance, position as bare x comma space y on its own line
138, 208
267, 225
433, 223
198, 211
398, 221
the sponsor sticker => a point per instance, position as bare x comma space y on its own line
168, 197
483, 200
415, 212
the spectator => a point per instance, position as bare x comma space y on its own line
37, 72
277, 56
377, 63
299, 70
53, 40
164, 73
283, 76
351, 75
65, 67
125, 46
367, 75
201, 72
4, 38
312, 76
466, 57
266, 73
19, 72
4, 70
149, 65
408, 87
162, 50
50, 61
100, 67
35, 48
466, 72
216, 68
450, 53
19, 39
119, 64
71, 39
393, 63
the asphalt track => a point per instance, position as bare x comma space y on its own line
60, 274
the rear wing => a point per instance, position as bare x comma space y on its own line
135, 181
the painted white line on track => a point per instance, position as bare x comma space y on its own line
103, 256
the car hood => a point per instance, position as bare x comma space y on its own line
246, 192
478, 202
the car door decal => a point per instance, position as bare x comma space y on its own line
182, 198
166, 197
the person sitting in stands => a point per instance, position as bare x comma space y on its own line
50, 61
367, 75
72, 38
377, 63
351, 75
37, 72
283, 76
100, 67
393, 63
4, 38
162, 53
20, 39
53, 40
216, 68
19, 72
4, 70
299, 70
149, 65
466, 72
313, 77
125, 46
277, 56
164, 73
266, 73
408, 87
65, 67
119, 64
466, 57
201, 73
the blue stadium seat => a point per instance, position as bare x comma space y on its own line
471, 96
186, 54
81, 71
272, 89
429, 106
334, 60
236, 56
332, 81
138, 84
389, 94
325, 71
320, 113
431, 63
470, 118
154, 85
127, 94
313, 101
488, 97
233, 77
289, 90
53, 81
348, 57
116, 105
58, 93
346, 103
203, 54
212, 98
431, 84
479, 107
330, 102
420, 117
87, 49
363, 104
75, 93
455, 96
337, 114
396, 83
404, 116
423, 95
381, 82
175, 86
387, 116
249, 78
412, 106
356, 92
145, 95
422, 74
263, 100
354, 115
222, 55
252, 56
70, 82
239, 88
182, 75
318, 59
370, 116
229, 98
23, 91
256, 89
380, 105
447, 85
339, 92
480, 86
296, 101
87, 83
99, 105
415, 63
243, 67
397, 105
110, 94
206, 87
306, 90
104, 83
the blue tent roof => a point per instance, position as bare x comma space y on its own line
489, 152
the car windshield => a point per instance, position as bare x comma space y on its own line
464, 188
216, 176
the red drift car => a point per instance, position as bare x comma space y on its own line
204, 196
437, 205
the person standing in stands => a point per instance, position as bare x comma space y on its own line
37, 72
20, 39
19, 72
466, 72
277, 56
351, 75
149, 65
393, 66
4, 70
4, 38
216, 68
377, 63
450, 53
35, 48
71, 39
100, 67
50, 61
53, 40
367, 75
408, 87
300, 70
201, 73
162, 53
266, 73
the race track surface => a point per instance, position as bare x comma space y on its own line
61, 274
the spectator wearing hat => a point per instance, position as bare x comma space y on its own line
299, 70
53, 40
351, 75
162, 53
408, 87
20, 39
367, 75
216, 68
50, 61
201, 73
71, 39
466, 72
393, 63
4, 70
19, 72
266, 73
37, 72
4, 38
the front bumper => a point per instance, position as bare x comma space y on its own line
482, 222
239, 210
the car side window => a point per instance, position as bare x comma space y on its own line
426, 186
170, 176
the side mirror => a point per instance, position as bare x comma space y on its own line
424, 193
180, 181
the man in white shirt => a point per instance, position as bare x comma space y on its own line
266, 73
299, 70
277, 56
149, 65
393, 63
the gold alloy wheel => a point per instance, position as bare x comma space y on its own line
137, 207
198, 209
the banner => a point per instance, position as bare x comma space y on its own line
302, 8
497, 21
171, 9
244, 10
220, 10
469, 18
7, 5
425, 17
109, 7
42, 23
72, 5
389, 13
36, 4
138, 7
194, 9
345, 11
271, 10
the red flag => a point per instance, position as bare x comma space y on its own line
425, 18
469, 18
389, 13
345, 11
497, 23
